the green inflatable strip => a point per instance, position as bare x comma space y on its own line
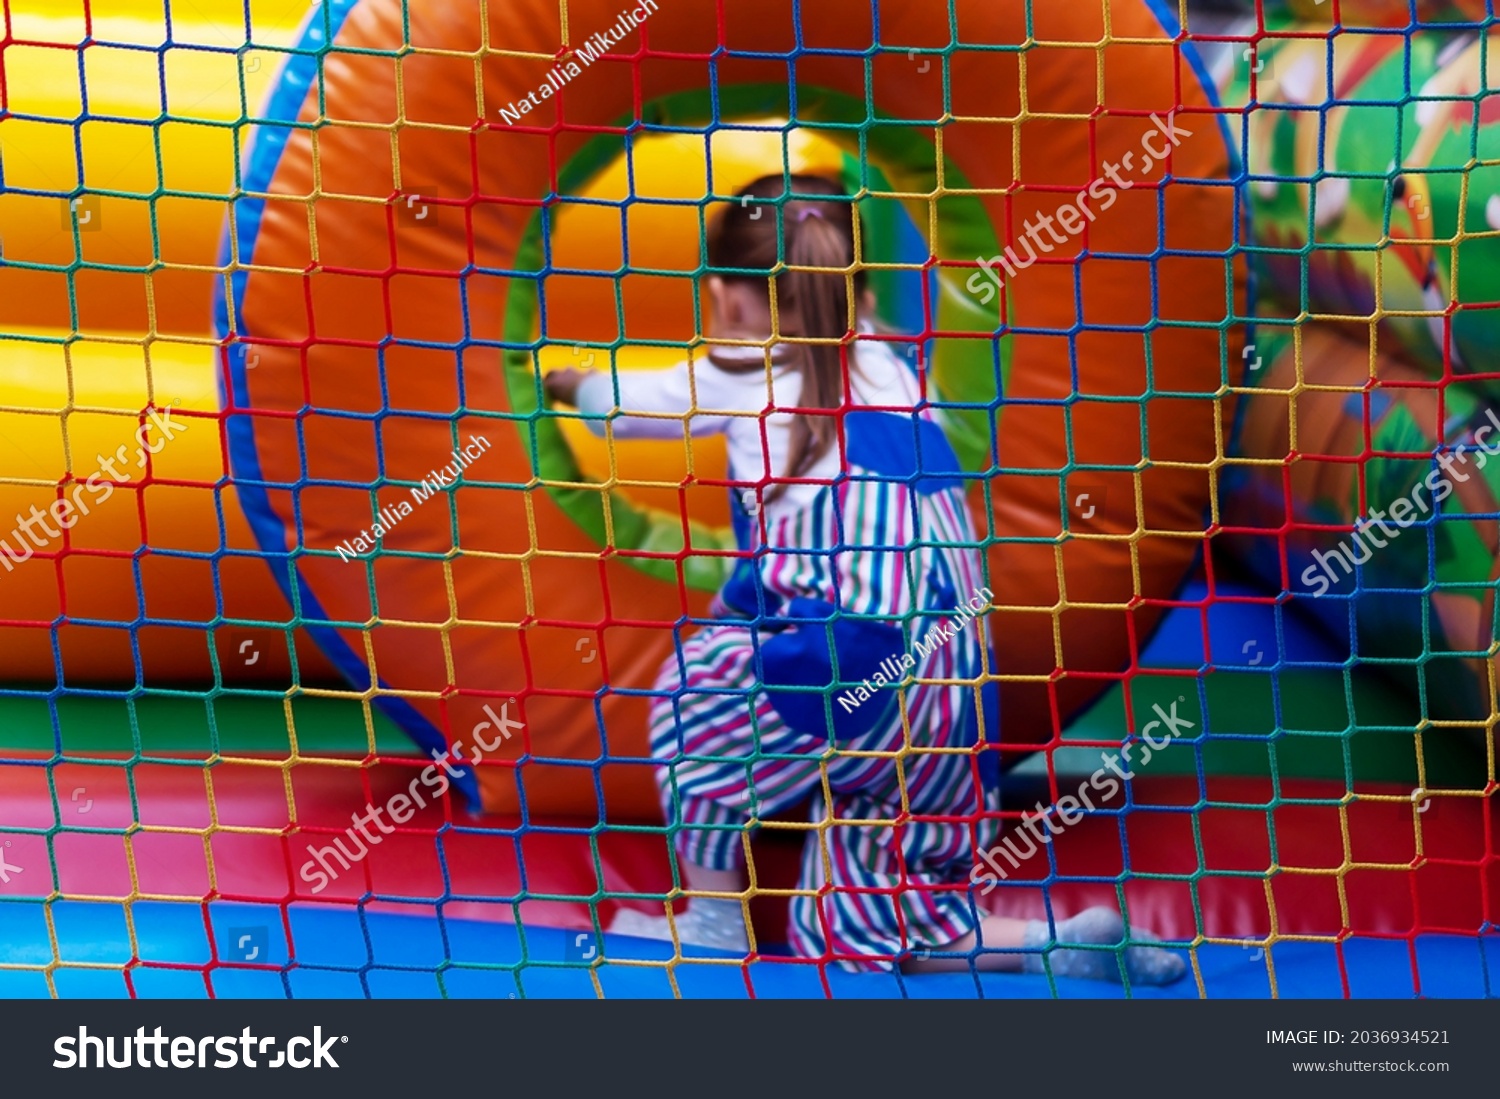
171, 724
964, 372
1353, 725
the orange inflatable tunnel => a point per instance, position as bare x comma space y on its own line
396, 286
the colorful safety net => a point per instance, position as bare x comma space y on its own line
331, 647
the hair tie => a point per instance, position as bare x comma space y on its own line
808, 212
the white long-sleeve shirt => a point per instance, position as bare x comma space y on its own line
744, 408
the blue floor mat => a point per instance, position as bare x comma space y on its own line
342, 953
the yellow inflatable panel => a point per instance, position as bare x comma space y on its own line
118, 179
118, 447
118, 173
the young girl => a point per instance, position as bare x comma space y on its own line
845, 665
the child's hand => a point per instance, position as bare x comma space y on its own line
562, 385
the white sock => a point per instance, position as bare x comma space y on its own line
715, 922
1100, 927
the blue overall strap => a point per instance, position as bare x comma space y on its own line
903, 448
744, 593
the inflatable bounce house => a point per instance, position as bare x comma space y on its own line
328, 640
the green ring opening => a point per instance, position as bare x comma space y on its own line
883, 152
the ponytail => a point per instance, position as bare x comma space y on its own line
822, 300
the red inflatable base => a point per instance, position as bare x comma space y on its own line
1375, 864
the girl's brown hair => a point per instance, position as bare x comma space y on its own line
745, 245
